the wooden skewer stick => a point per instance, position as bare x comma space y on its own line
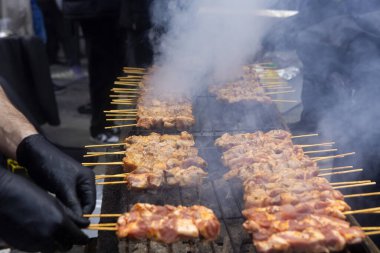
316, 145
133, 99
273, 84
134, 72
340, 172
102, 163
125, 119
320, 151
270, 77
126, 113
125, 100
102, 228
354, 185
130, 77
121, 79
279, 92
277, 87
111, 183
126, 89
138, 81
122, 103
104, 145
268, 72
370, 228
304, 135
337, 168
110, 176
321, 158
101, 215
124, 96
122, 110
350, 182
132, 84
103, 225
120, 115
284, 101
367, 210
372, 233
362, 194
118, 126
93, 154
123, 91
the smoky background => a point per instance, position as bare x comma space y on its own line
204, 41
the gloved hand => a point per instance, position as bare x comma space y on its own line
33, 220
73, 184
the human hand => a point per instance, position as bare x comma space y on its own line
33, 220
50, 168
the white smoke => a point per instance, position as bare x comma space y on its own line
204, 40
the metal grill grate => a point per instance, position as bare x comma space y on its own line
225, 198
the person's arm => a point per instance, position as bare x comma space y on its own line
14, 127
49, 167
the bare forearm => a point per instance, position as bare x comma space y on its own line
14, 127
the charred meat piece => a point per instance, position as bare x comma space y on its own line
155, 160
168, 224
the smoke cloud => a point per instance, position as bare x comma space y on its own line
204, 41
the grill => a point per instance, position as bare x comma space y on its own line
224, 198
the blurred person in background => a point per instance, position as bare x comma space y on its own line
61, 32
136, 18
105, 44
31, 219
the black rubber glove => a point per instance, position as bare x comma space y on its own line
33, 220
50, 168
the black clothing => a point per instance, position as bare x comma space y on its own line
60, 30
58, 173
136, 18
105, 43
80, 9
26, 79
31, 219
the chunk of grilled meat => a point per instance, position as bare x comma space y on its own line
150, 159
164, 113
334, 208
168, 224
289, 191
246, 90
313, 240
227, 141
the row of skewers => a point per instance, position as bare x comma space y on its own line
289, 205
253, 200
158, 110
156, 161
